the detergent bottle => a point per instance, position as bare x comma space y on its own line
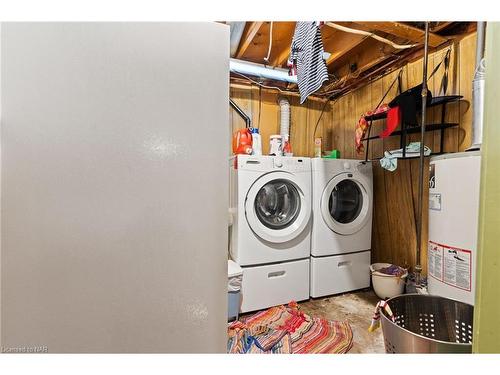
256, 142
242, 141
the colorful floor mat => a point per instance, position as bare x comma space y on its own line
285, 329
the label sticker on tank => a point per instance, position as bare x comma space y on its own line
457, 267
435, 201
451, 265
435, 260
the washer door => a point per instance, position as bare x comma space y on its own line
345, 204
276, 207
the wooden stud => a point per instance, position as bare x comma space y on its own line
250, 31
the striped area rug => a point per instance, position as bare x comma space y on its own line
285, 329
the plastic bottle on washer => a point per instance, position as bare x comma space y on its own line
256, 142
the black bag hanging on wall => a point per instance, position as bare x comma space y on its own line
409, 102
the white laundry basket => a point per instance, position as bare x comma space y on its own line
387, 286
234, 279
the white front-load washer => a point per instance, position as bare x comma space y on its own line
270, 235
342, 225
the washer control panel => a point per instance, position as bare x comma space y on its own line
268, 163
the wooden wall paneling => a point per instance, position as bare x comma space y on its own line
328, 132
467, 65
348, 124
380, 234
362, 104
414, 170
299, 138
434, 113
451, 138
314, 110
376, 149
380, 228
338, 126
389, 143
333, 129
269, 118
400, 212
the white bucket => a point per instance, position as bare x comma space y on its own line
387, 286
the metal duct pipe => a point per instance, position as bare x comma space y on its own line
261, 71
418, 265
243, 115
284, 118
236, 31
480, 42
478, 90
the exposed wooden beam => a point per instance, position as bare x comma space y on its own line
282, 57
440, 26
338, 45
364, 57
341, 45
250, 31
404, 31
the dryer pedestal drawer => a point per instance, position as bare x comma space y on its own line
339, 273
275, 284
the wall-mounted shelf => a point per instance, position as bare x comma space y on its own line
416, 129
406, 129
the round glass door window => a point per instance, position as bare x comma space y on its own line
346, 201
277, 204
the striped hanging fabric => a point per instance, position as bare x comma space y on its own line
306, 58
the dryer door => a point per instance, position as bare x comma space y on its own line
276, 208
345, 203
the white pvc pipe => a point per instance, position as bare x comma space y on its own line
258, 70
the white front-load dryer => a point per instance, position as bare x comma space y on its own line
270, 235
342, 225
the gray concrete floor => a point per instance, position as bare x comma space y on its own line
357, 308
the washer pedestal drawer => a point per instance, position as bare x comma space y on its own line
275, 284
339, 273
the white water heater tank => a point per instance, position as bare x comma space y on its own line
453, 225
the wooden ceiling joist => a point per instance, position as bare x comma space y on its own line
440, 26
341, 45
281, 58
404, 31
251, 30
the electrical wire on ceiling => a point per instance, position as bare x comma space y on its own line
266, 59
372, 35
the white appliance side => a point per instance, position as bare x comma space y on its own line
453, 225
114, 208
324, 241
